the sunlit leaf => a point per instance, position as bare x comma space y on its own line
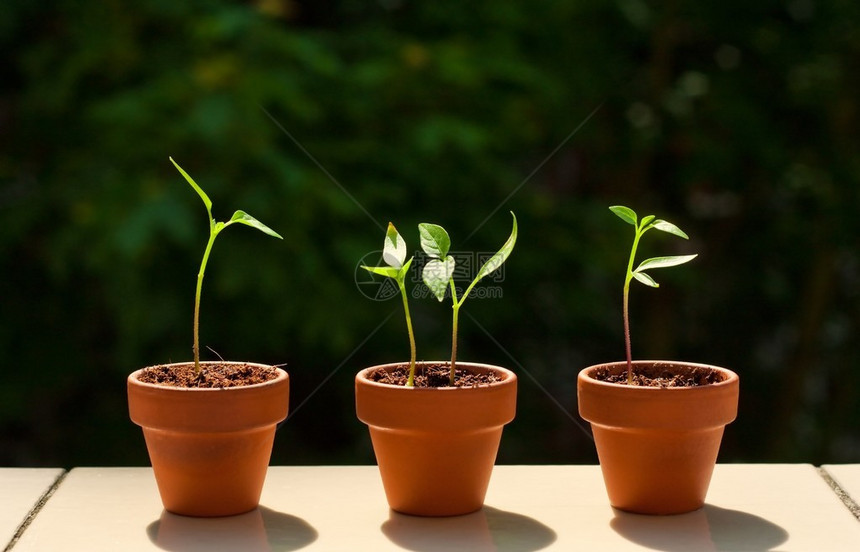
404, 270
244, 218
437, 274
667, 226
626, 214
663, 262
206, 201
434, 240
388, 271
645, 279
497, 260
394, 250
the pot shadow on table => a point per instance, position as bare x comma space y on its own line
260, 530
488, 529
709, 529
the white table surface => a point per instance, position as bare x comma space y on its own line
846, 476
750, 507
20, 491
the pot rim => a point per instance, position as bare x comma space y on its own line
509, 376
133, 378
585, 376
209, 410
651, 408
466, 409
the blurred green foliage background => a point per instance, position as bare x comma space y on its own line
738, 121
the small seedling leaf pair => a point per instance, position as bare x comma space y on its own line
437, 274
628, 215
215, 227
659, 262
439, 270
239, 216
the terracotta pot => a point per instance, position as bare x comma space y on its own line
657, 447
209, 448
436, 447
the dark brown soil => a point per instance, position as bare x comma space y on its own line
437, 375
662, 375
212, 376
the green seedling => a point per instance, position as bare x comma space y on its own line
640, 227
215, 228
438, 273
394, 255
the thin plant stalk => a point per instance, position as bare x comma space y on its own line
410, 381
197, 295
627, 279
455, 307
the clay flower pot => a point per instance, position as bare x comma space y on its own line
209, 448
657, 447
436, 447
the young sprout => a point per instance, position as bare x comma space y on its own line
438, 273
214, 229
394, 255
640, 227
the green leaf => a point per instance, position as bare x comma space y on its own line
244, 218
626, 214
434, 240
394, 250
645, 279
206, 201
497, 260
404, 270
667, 226
437, 274
388, 271
646, 220
663, 262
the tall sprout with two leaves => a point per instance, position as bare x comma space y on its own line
438, 273
215, 228
640, 227
394, 255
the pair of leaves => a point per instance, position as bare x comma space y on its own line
439, 270
239, 216
659, 262
628, 215
438, 273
